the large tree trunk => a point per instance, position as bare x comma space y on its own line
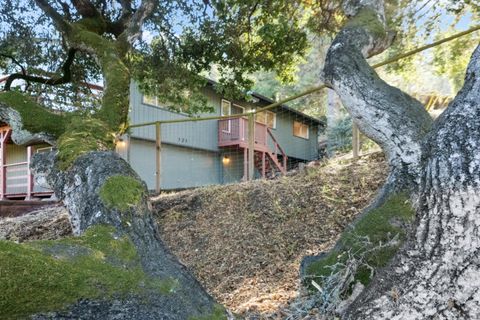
80, 188
99, 188
435, 274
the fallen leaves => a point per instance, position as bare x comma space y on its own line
245, 242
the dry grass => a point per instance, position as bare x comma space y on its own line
245, 242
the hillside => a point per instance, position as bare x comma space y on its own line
245, 241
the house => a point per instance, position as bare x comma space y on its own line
193, 154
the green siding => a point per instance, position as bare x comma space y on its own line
300, 148
190, 153
181, 167
233, 170
200, 135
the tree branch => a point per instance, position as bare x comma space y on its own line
53, 81
86, 9
117, 27
390, 117
134, 28
126, 6
15, 61
60, 23
66, 9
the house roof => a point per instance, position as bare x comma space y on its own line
282, 106
212, 82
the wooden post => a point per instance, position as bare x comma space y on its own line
29, 173
263, 165
355, 141
158, 156
3, 179
245, 164
251, 145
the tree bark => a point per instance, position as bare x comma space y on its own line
83, 166
435, 274
388, 116
79, 188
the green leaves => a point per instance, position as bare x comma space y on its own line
234, 37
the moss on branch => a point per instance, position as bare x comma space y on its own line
44, 276
378, 226
84, 135
78, 135
115, 104
367, 19
35, 118
122, 193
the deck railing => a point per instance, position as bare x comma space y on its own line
18, 180
233, 131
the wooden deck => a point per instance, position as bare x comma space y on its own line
16, 178
269, 155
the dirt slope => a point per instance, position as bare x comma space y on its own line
245, 241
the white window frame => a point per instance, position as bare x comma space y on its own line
302, 124
229, 113
274, 126
266, 122
149, 104
238, 106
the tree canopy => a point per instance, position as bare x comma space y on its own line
181, 39
439, 71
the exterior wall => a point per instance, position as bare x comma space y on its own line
17, 175
296, 147
190, 153
199, 135
233, 170
180, 167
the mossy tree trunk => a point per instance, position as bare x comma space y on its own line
435, 273
94, 183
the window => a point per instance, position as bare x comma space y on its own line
151, 100
300, 130
267, 117
226, 108
236, 109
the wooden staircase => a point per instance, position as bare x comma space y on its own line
269, 158
272, 166
269, 162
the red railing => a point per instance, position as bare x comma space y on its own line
234, 131
277, 149
16, 179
